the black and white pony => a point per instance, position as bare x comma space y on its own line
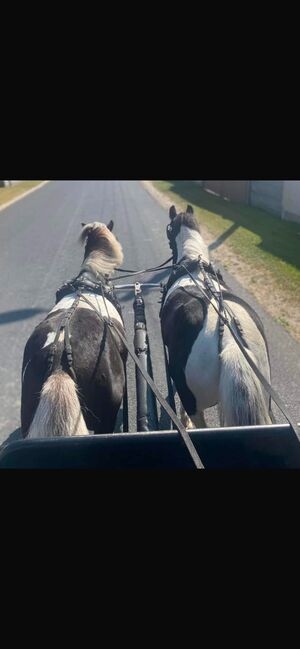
206, 364
86, 394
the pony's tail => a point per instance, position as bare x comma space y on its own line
58, 413
243, 400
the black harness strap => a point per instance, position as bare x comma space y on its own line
64, 327
52, 350
217, 294
182, 431
69, 352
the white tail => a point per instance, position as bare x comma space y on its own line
243, 401
58, 413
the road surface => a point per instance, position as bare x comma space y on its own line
39, 251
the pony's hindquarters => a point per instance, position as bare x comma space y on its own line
58, 413
242, 399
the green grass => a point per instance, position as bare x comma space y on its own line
256, 235
9, 193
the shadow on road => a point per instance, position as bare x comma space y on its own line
21, 314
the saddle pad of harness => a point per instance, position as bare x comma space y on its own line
184, 282
97, 300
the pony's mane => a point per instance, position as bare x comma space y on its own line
103, 253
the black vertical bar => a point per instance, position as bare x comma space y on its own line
146, 405
125, 407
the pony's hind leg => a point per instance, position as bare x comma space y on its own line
197, 420
185, 419
221, 415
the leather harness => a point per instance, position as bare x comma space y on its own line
83, 282
209, 272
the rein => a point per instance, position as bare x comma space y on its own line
140, 272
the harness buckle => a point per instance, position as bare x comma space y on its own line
108, 321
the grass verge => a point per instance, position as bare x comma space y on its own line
7, 194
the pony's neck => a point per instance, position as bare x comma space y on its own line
190, 244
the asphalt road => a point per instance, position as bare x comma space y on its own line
39, 251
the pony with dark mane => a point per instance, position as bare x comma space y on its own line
206, 364
73, 376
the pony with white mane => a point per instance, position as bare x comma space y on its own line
73, 376
206, 364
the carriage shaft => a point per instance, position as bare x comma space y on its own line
146, 404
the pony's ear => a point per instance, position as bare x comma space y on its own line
172, 212
110, 226
83, 225
189, 210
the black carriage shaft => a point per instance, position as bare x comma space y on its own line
146, 403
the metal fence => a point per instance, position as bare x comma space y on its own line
7, 183
266, 194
